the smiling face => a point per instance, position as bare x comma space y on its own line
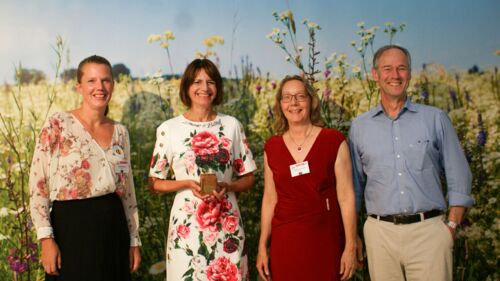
95, 86
295, 102
393, 74
202, 91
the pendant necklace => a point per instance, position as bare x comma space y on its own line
299, 146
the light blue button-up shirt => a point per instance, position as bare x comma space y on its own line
398, 163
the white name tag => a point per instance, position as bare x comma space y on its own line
298, 169
121, 167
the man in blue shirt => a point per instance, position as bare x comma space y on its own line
400, 151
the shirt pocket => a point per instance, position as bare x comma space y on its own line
419, 154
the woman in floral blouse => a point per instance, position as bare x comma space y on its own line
82, 195
205, 237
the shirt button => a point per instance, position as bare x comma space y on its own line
399, 174
402, 192
396, 138
398, 156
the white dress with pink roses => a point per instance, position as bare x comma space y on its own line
205, 239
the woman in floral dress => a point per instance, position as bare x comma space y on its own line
82, 197
205, 237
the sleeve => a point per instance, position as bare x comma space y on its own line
456, 167
243, 162
39, 179
129, 200
162, 154
358, 176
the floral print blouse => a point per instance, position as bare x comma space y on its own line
69, 164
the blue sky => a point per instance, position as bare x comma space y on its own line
455, 33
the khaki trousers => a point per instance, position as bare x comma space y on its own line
421, 251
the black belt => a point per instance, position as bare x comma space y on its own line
407, 219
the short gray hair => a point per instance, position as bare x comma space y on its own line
382, 49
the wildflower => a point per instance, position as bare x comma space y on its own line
356, 69
300, 48
353, 43
327, 93
492, 200
273, 84
361, 24
4, 212
168, 35
154, 38
453, 96
270, 112
424, 94
3, 237
481, 137
287, 58
164, 45
258, 88
327, 73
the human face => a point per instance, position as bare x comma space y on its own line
393, 74
293, 105
202, 91
96, 86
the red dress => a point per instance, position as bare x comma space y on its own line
307, 234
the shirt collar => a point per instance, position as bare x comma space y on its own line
409, 105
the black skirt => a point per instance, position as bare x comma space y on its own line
93, 238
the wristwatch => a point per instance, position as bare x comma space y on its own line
453, 225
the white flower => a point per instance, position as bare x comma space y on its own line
361, 24
4, 212
3, 237
492, 200
356, 69
157, 268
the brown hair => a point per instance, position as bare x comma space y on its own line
92, 59
280, 122
190, 74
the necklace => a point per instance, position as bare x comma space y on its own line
299, 146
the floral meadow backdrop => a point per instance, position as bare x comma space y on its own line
471, 97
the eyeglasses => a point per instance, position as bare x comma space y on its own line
298, 97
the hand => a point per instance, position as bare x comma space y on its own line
453, 232
51, 256
359, 252
347, 264
196, 189
134, 258
222, 188
263, 265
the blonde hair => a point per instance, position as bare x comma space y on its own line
280, 122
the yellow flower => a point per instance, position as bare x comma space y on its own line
168, 35
153, 38
164, 45
497, 52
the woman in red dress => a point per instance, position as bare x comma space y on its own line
308, 218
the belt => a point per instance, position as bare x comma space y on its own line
407, 219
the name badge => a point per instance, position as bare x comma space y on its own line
298, 169
121, 167
118, 152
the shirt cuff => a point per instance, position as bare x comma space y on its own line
135, 241
44, 232
460, 199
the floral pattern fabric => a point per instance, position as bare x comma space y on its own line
68, 164
205, 238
